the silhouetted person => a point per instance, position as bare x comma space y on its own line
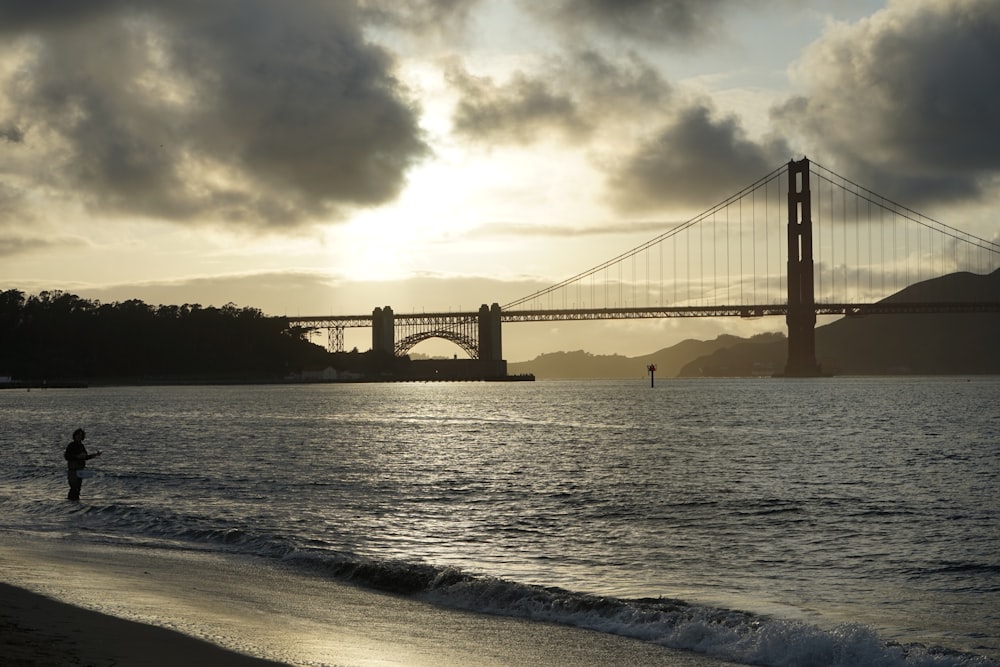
76, 460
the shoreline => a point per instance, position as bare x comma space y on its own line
154, 606
212, 382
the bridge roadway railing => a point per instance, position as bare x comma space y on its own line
365, 321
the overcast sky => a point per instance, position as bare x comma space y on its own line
328, 156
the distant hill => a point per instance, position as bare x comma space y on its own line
669, 361
932, 344
966, 343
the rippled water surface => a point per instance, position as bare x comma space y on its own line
870, 501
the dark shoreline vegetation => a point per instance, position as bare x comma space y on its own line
59, 339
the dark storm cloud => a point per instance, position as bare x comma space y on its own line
19, 15
908, 101
518, 111
11, 133
695, 161
568, 99
610, 86
246, 111
419, 16
672, 22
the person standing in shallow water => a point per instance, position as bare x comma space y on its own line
76, 460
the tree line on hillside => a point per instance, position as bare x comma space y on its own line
57, 335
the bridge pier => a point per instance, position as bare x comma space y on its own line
490, 342
801, 317
383, 330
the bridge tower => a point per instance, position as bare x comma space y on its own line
490, 342
383, 330
801, 317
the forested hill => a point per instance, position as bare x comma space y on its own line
57, 335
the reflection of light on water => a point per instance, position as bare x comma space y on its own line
698, 490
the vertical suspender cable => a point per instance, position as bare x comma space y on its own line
767, 245
753, 221
870, 267
843, 193
859, 225
715, 257
729, 268
881, 226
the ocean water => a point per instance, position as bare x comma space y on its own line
838, 521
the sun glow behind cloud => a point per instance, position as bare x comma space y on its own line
460, 213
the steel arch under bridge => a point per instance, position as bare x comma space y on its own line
461, 329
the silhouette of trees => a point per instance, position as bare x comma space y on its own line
59, 335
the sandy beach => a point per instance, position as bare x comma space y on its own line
69, 602
37, 630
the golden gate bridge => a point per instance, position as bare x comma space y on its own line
799, 242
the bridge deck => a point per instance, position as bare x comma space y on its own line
578, 314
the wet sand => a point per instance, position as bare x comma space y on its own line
143, 606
